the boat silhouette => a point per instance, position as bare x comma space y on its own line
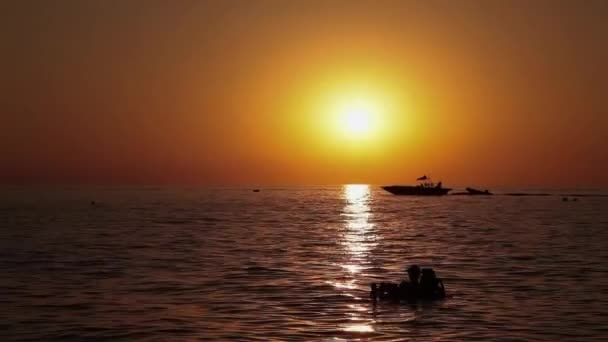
472, 191
425, 188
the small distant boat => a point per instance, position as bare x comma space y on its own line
256, 190
425, 188
472, 191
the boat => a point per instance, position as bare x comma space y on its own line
472, 191
425, 188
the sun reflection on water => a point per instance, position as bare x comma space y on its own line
359, 328
352, 268
358, 238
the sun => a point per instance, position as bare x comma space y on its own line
357, 121
357, 118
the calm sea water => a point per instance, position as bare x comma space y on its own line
296, 263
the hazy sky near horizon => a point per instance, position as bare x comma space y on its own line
489, 93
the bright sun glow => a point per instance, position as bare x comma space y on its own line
357, 118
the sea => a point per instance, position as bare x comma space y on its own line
296, 263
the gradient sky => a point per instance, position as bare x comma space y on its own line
489, 93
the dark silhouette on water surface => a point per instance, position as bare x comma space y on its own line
431, 287
526, 194
425, 188
427, 287
428, 188
574, 196
473, 192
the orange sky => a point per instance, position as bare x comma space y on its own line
494, 93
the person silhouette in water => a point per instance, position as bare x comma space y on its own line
426, 287
409, 290
431, 287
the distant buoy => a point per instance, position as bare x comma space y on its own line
565, 199
92, 202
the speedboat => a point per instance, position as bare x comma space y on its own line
425, 188
472, 191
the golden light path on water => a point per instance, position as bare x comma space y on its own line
358, 238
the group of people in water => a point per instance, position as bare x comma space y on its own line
423, 284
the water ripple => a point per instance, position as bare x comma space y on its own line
295, 264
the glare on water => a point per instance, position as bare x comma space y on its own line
358, 237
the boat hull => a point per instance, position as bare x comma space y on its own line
408, 190
474, 192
